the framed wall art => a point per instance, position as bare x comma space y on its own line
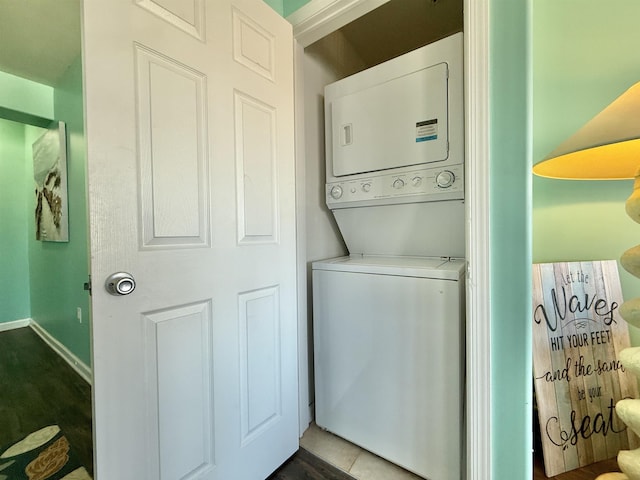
50, 175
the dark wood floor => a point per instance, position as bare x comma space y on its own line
306, 466
38, 388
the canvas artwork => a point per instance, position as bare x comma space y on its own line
50, 175
578, 334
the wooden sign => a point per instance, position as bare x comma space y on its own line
577, 336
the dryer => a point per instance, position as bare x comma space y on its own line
394, 143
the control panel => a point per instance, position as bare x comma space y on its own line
443, 183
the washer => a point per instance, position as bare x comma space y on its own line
388, 337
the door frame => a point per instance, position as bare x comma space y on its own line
317, 19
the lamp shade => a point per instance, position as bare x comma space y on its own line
606, 148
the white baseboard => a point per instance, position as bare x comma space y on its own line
23, 322
74, 362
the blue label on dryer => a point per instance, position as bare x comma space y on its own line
427, 130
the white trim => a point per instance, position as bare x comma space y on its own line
476, 28
318, 18
304, 409
74, 362
12, 325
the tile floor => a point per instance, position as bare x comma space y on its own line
350, 458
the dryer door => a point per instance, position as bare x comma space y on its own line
393, 124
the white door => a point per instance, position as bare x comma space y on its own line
189, 116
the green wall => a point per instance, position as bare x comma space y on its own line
59, 270
14, 190
54, 273
19, 94
277, 5
291, 6
510, 240
584, 57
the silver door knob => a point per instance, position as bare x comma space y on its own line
121, 283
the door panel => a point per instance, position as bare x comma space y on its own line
179, 356
260, 372
191, 180
172, 135
253, 46
188, 15
256, 170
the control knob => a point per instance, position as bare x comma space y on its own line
336, 192
366, 187
445, 179
398, 183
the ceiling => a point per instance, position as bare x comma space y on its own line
39, 38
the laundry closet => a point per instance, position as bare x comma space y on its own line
402, 256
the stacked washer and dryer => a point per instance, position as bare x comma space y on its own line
389, 318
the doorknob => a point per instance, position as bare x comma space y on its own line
120, 283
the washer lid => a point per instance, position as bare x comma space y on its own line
424, 267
